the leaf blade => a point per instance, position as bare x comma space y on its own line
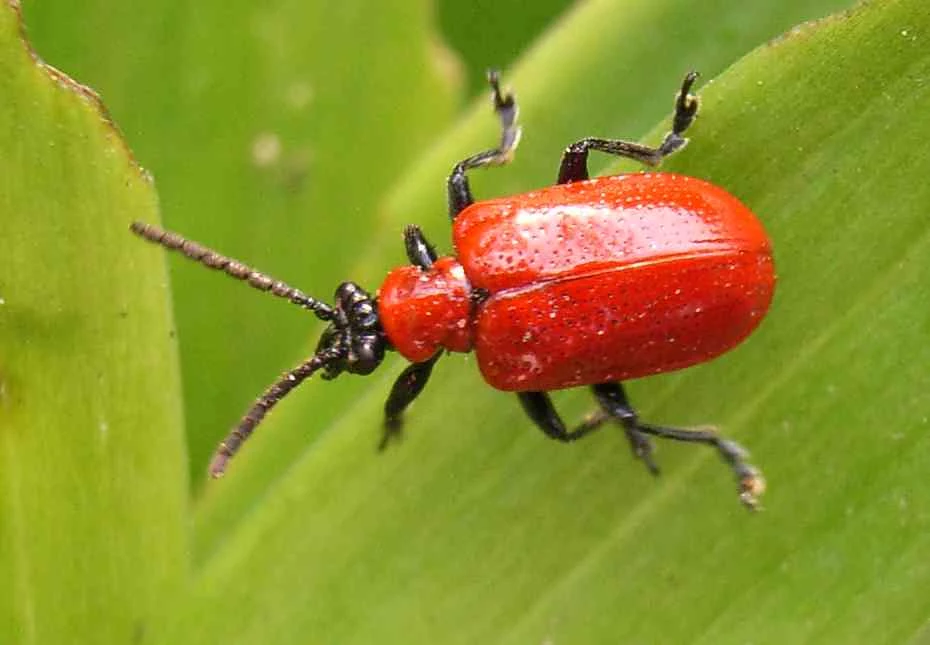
92, 490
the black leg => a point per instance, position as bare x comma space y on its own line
506, 108
614, 403
574, 165
419, 251
538, 406
405, 389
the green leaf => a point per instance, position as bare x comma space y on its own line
92, 482
477, 529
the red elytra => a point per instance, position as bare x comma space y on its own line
602, 280
588, 282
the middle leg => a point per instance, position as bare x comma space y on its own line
538, 407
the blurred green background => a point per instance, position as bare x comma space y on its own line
300, 137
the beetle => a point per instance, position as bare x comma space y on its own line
589, 282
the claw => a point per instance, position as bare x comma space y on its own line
751, 486
392, 432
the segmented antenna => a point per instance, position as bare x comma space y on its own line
213, 260
269, 398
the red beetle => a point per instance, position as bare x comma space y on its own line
588, 282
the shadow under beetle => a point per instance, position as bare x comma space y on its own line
587, 282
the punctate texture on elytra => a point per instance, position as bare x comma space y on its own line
607, 279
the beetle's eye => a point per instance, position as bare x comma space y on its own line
364, 315
346, 293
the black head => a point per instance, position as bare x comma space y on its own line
354, 341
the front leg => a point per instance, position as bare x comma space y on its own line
406, 388
420, 252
